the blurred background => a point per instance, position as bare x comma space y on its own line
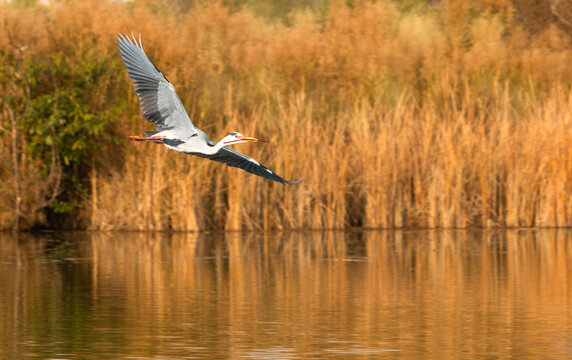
399, 114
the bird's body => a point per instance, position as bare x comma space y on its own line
173, 127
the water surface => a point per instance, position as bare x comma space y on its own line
399, 294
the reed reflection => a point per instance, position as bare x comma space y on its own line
405, 294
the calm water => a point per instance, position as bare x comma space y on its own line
429, 294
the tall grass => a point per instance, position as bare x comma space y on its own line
444, 116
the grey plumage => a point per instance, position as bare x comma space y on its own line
234, 158
159, 101
173, 127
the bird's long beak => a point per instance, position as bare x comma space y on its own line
251, 139
246, 138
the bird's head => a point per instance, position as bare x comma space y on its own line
237, 138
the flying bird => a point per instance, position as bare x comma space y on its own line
173, 127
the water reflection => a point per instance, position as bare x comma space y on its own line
405, 294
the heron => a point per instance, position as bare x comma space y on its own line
173, 126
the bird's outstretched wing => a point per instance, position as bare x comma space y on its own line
159, 101
234, 158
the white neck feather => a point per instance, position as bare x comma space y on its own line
211, 150
200, 146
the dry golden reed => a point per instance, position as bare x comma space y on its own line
396, 118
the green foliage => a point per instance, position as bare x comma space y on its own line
61, 122
59, 206
417, 6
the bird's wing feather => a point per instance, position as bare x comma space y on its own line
159, 101
234, 158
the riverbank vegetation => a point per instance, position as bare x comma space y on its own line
398, 114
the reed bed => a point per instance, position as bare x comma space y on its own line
448, 116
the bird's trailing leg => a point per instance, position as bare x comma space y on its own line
156, 139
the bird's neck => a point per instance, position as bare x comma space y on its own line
211, 150
199, 145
